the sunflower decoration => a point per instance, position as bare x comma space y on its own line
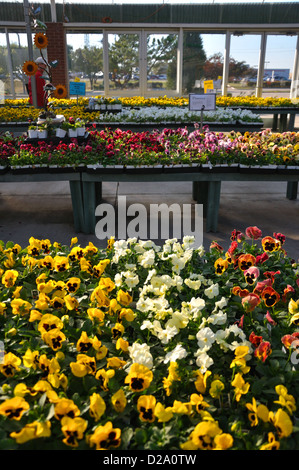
30, 68
60, 91
40, 40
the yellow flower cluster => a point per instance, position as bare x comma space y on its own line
253, 101
19, 110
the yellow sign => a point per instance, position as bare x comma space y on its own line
208, 85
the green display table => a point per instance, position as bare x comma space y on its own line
206, 184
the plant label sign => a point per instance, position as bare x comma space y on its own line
200, 102
77, 88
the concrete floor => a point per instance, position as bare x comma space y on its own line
44, 210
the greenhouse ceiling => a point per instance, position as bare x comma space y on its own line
275, 15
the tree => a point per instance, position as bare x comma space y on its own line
194, 58
213, 68
161, 50
123, 58
88, 60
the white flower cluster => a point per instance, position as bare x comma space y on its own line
179, 115
161, 291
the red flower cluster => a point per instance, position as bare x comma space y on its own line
262, 348
263, 287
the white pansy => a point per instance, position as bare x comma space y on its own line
203, 361
161, 314
160, 303
159, 290
205, 338
179, 261
146, 325
188, 242
178, 281
193, 283
165, 280
140, 353
144, 304
212, 291
167, 334
179, 319
120, 249
150, 274
221, 336
120, 245
132, 240
220, 304
200, 251
193, 307
239, 338
118, 279
143, 245
147, 259
177, 353
179, 114
131, 279
219, 318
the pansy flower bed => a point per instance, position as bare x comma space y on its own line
166, 147
19, 110
140, 346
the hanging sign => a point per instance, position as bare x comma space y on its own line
77, 88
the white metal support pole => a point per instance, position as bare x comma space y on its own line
226, 63
30, 50
294, 93
179, 85
53, 12
106, 62
10, 67
143, 63
260, 72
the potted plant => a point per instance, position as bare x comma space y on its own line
42, 131
72, 129
101, 104
80, 127
32, 131
116, 105
61, 131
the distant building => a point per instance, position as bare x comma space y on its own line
276, 74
